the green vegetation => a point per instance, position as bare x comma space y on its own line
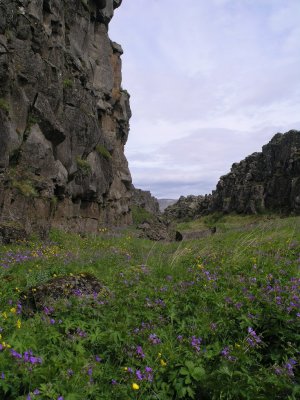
4, 105
215, 318
139, 215
25, 187
103, 151
32, 120
67, 83
83, 165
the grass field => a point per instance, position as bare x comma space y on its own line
214, 318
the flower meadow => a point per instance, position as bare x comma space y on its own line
213, 318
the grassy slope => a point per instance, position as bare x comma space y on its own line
215, 318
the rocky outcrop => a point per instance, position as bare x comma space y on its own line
144, 199
265, 181
269, 180
63, 116
189, 207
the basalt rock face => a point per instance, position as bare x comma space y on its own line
265, 181
269, 180
144, 199
64, 117
189, 207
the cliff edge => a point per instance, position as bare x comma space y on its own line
64, 117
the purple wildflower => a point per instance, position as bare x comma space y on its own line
195, 343
139, 352
154, 339
139, 375
149, 374
253, 339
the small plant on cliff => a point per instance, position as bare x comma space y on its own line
25, 187
103, 151
4, 105
67, 83
83, 165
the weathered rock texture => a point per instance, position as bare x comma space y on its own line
63, 116
188, 207
144, 199
265, 181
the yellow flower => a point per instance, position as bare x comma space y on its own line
163, 363
125, 368
34, 290
0, 336
19, 324
13, 310
4, 315
135, 386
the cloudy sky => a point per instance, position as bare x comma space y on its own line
211, 81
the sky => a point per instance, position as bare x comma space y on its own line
211, 81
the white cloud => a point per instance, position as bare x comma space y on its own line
213, 80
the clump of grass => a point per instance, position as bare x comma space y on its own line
83, 165
25, 187
67, 83
4, 105
102, 150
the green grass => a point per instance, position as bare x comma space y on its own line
103, 152
215, 318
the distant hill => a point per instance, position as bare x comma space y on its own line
164, 203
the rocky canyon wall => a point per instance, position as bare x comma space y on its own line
64, 117
264, 181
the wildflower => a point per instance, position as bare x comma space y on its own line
135, 386
195, 343
13, 310
36, 392
2, 375
98, 359
162, 363
180, 338
149, 374
154, 339
139, 352
19, 324
15, 354
139, 375
253, 339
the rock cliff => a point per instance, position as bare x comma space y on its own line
144, 199
265, 181
64, 116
